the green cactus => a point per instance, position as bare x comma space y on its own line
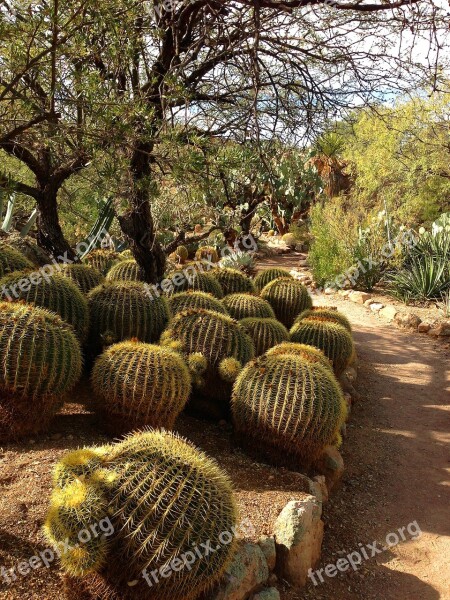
102, 260
190, 299
125, 310
234, 281
288, 299
325, 314
287, 408
125, 270
182, 253
140, 384
265, 333
333, 339
268, 275
216, 337
307, 353
166, 500
84, 277
54, 292
190, 279
289, 239
243, 306
40, 362
28, 248
126, 254
207, 253
12, 260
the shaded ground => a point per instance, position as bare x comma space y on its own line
396, 455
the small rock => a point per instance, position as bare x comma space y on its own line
388, 312
441, 329
320, 481
359, 297
273, 580
376, 306
329, 291
352, 374
369, 302
344, 430
408, 320
331, 465
267, 545
424, 327
267, 594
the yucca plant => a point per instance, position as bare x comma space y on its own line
40, 362
165, 499
426, 278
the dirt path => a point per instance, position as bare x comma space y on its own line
397, 458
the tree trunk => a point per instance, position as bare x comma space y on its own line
50, 236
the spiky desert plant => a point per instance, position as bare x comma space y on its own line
125, 270
325, 314
166, 498
85, 278
216, 337
265, 333
140, 384
40, 362
288, 299
268, 275
54, 292
289, 239
28, 248
207, 253
191, 299
333, 339
103, 260
12, 260
126, 254
308, 353
242, 306
182, 254
191, 279
288, 408
124, 310
234, 281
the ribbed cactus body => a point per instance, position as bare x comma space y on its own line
333, 339
191, 279
325, 314
289, 408
140, 384
207, 253
40, 361
307, 353
103, 260
289, 239
242, 306
84, 277
288, 299
265, 333
268, 275
166, 500
190, 299
55, 293
12, 260
182, 254
234, 281
125, 270
124, 310
28, 248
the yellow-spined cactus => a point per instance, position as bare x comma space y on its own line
86, 278
125, 270
207, 253
190, 299
268, 275
323, 313
243, 306
288, 298
308, 353
103, 260
12, 260
233, 281
265, 333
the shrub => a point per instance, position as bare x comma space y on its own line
190, 299
84, 277
12, 260
268, 275
288, 408
233, 281
56, 293
102, 260
121, 311
324, 313
288, 299
265, 333
165, 498
242, 306
140, 384
333, 339
125, 270
41, 361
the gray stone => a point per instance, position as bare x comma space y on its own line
331, 465
376, 306
267, 545
267, 594
359, 297
298, 535
411, 320
388, 312
440, 329
329, 291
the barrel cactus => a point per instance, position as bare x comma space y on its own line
85, 278
28, 248
125, 270
325, 314
234, 281
215, 337
169, 504
12, 260
41, 361
288, 299
124, 310
182, 254
289, 239
140, 384
191, 279
333, 339
103, 260
265, 333
268, 275
54, 292
308, 353
191, 299
126, 254
207, 253
242, 306
287, 408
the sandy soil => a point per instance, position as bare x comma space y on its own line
396, 456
